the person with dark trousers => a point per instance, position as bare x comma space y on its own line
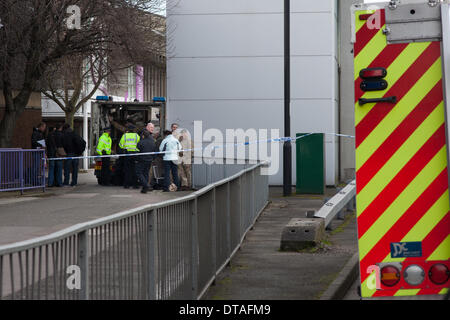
54, 143
104, 149
146, 145
70, 146
60, 153
158, 164
128, 143
35, 171
171, 146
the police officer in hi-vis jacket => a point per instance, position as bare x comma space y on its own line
128, 143
104, 149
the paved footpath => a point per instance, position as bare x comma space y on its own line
260, 271
37, 213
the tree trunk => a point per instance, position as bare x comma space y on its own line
70, 117
13, 109
7, 126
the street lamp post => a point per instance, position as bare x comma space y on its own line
287, 146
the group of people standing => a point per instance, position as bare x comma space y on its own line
138, 160
60, 142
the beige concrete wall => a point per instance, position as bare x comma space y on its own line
34, 102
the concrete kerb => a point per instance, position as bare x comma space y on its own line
340, 286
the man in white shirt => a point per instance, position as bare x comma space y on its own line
185, 160
171, 146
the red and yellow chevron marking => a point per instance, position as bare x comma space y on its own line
401, 155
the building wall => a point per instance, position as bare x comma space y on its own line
122, 87
155, 80
51, 110
225, 67
347, 91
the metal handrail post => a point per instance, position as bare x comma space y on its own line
1, 170
21, 169
241, 218
228, 219
194, 249
254, 211
43, 171
214, 234
152, 247
83, 261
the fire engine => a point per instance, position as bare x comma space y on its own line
402, 69
117, 115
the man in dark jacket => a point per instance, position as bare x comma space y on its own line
38, 136
53, 142
157, 174
70, 146
36, 171
146, 145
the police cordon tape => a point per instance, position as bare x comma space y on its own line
284, 139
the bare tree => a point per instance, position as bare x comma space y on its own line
141, 36
38, 36
64, 82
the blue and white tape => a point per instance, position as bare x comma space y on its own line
283, 139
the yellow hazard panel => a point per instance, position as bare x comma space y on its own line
401, 163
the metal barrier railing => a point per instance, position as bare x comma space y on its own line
210, 170
21, 169
169, 250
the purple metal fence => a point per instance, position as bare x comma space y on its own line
22, 169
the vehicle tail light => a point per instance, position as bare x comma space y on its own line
414, 275
439, 274
374, 85
373, 73
390, 276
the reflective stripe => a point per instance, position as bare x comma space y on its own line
129, 143
104, 144
401, 162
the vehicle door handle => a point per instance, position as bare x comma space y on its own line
363, 101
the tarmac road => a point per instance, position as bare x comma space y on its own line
36, 214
